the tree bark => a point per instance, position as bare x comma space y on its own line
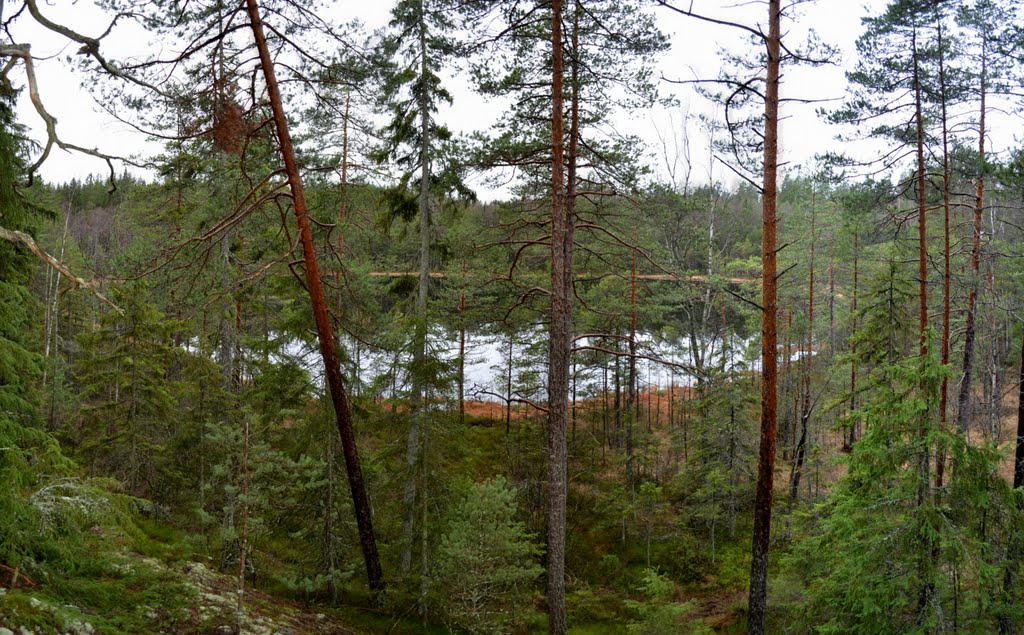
329, 552
831, 299
414, 447
631, 398
964, 399
560, 341
805, 416
462, 342
940, 461
243, 538
853, 337
922, 205
360, 501
927, 554
758, 602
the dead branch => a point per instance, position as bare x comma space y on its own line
22, 51
513, 399
93, 285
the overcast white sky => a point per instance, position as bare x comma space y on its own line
694, 53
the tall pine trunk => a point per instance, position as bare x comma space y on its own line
940, 461
927, 554
769, 354
560, 341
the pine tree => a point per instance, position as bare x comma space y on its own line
486, 562
995, 43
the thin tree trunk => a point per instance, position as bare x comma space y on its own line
329, 553
52, 295
631, 400
414, 447
573, 445
927, 554
508, 387
462, 351
922, 206
360, 501
243, 538
238, 370
786, 436
963, 414
604, 413
940, 461
758, 599
801, 446
853, 340
571, 158
995, 386
831, 299
800, 449
227, 346
617, 432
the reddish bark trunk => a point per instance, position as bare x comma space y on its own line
927, 556
360, 501
769, 354
922, 207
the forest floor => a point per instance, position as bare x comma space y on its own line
122, 591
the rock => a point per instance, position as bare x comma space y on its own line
81, 628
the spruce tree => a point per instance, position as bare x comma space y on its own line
419, 46
27, 449
882, 557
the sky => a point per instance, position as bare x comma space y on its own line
694, 53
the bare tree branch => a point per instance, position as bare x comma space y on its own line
93, 285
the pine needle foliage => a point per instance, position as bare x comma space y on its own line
486, 563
